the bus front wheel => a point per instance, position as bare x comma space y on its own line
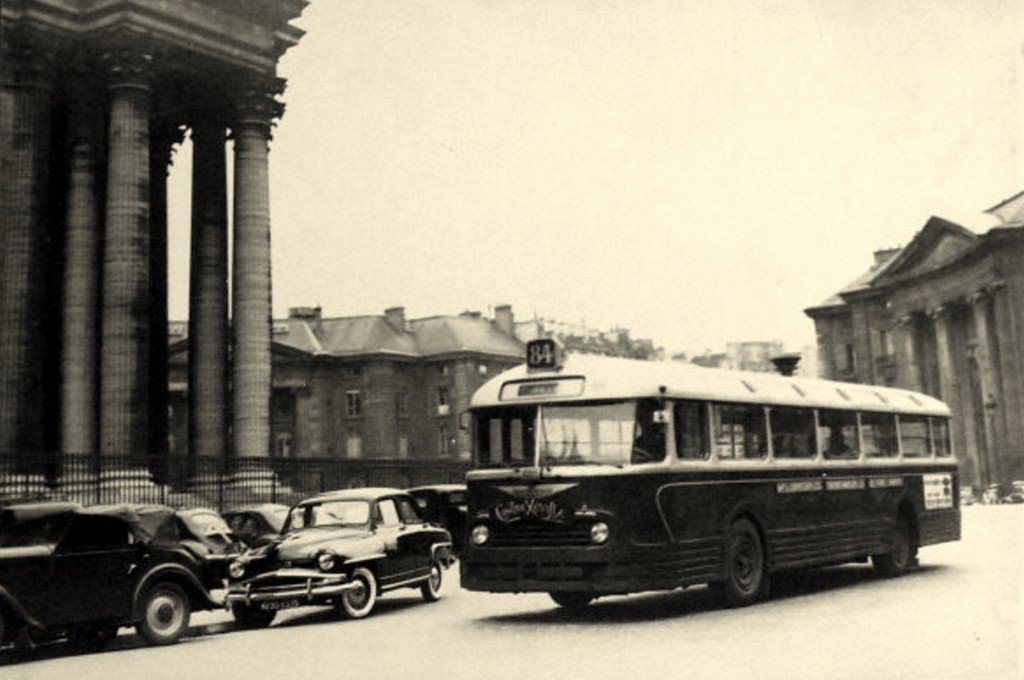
746, 578
902, 552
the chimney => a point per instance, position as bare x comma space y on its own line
396, 317
883, 255
785, 364
304, 313
504, 319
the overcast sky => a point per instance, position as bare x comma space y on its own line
697, 172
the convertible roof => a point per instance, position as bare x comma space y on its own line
21, 512
150, 523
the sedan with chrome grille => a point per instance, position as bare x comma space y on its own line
342, 548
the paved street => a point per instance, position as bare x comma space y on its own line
959, 616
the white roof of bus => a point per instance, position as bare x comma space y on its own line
613, 378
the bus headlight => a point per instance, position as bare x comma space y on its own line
325, 561
599, 533
480, 534
236, 569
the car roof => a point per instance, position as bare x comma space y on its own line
21, 512
438, 487
368, 493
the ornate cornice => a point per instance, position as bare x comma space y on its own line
255, 104
128, 66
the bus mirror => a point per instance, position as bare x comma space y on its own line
660, 416
465, 421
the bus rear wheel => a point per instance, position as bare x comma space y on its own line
902, 553
572, 599
746, 578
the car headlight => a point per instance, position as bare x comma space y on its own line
599, 533
325, 561
480, 534
236, 569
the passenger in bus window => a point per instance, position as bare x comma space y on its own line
648, 436
837, 431
878, 431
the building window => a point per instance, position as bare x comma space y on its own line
443, 368
403, 447
443, 441
845, 358
353, 404
283, 445
353, 445
481, 369
442, 396
402, 405
353, 370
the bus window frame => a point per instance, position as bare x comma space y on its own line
765, 458
673, 449
899, 434
814, 459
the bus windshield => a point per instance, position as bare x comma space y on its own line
615, 433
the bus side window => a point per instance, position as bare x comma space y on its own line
878, 431
837, 432
940, 437
648, 436
739, 431
793, 432
691, 430
914, 436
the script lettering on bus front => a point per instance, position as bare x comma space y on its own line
529, 508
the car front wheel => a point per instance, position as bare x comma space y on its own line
165, 614
431, 588
357, 602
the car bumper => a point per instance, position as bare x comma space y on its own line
289, 584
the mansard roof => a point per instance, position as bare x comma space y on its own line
356, 336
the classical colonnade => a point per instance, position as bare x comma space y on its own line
961, 334
87, 145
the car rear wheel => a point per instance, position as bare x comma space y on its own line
250, 617
165, 614
431, 588
358, 601
572, 599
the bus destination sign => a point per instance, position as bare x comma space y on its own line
542, 355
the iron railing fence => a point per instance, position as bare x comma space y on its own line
206, 482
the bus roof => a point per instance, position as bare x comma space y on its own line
607, 378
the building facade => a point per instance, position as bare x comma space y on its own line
372, 388
944, 315
95, 96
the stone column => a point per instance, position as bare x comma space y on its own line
250, 301
979, 302
24, 182
164, 134
948, 383
208, 294
907, 365
80, 353
126, 276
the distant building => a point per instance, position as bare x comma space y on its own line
368, 387
743, 356
580, 339
943, 315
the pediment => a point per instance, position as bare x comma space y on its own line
936, 245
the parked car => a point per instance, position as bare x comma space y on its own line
1016, 494
210, 539
991, 495
257, 525
444, 505
342, 548
81, 573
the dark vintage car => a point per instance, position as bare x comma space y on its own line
445, 505
257, 525
84, 572
342, 548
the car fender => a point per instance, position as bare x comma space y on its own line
14, 605
176, 573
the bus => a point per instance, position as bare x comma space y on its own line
596, 476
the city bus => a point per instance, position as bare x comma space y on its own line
596, 476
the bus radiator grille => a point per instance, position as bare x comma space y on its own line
521, 536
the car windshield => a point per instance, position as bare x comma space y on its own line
609, 433
329, 513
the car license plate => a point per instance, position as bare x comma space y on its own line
276, 605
